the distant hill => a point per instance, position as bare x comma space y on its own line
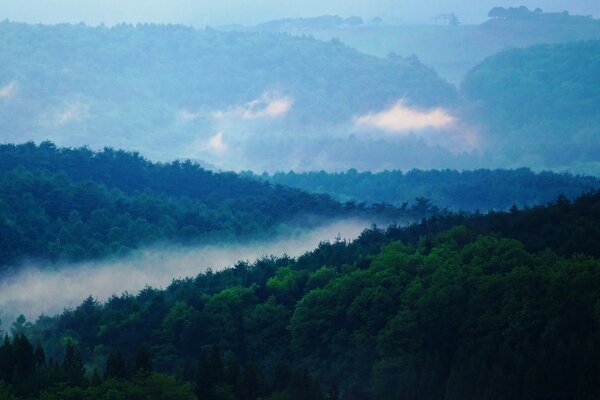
467, 190
453, 50
177, 92
540, 105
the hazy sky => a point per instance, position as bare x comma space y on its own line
222, 12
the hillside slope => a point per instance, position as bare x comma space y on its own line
176, 92
451, 50
540, 105
502, 306
65, 204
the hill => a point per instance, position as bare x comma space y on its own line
540, 105
499, 305
65, 204
467, 190
452, 50
177, 92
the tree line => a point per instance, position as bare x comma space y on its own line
480, 189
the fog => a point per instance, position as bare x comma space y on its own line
260, 136
41, 289
213, 12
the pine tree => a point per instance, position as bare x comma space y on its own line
232, 371
6, 360
115, 366
216, 365
72, 365
252, 382
24, 361
281, 379
40, 357
143, 363
204, 379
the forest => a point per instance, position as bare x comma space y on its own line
545, 97
70, 204
273, 101
135, 213
452, 50
466, 306
68, 78
470, 190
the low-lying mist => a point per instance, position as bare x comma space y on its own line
36, 290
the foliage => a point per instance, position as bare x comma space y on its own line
61, 204
454, 307
456, 190
546, 98
451, 50
141, 387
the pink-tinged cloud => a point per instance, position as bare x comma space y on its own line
267, 106
402, 119
9, 90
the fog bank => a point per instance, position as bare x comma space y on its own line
36, 290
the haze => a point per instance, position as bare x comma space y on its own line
213, 12
36, 290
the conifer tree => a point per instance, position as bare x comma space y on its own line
72, 365
115, 366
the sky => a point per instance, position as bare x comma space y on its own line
224, 12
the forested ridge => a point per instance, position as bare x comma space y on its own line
545, 98
234, 99
65, 204
118, 84
480, 189
461, 306
452, 50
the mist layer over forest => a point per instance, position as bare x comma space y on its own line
36, 289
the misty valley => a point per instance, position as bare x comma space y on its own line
312, 207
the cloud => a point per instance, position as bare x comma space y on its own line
402, 120
9, 90
267, 106
216, 144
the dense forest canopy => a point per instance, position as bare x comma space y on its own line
67, 204
467, 190
457, 307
